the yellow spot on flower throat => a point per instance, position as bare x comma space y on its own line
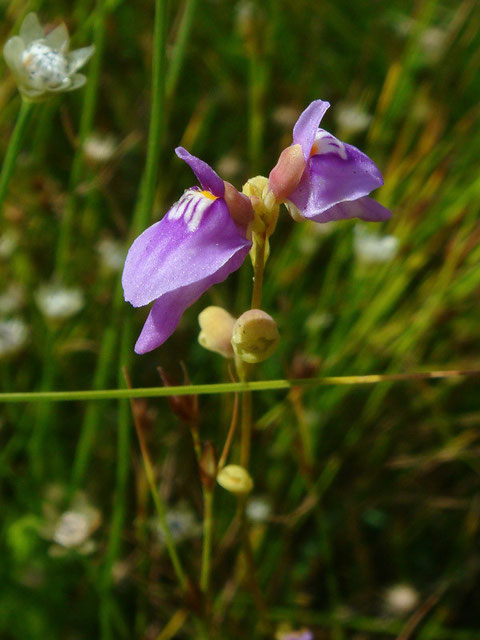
209, 195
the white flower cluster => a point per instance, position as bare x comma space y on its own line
373, 248
41, 64
59, 303
13, 336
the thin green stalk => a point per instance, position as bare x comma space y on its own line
93, 411
160, 506
86, 125
256, 90
140, 220
207, 539
180, 47
258, 269
42, 422
8, 166
118, 516
144, 206
246, 429
229, 387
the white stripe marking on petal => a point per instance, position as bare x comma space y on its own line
326, 143
191, 206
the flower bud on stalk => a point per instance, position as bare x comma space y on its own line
235, 479
208, 465
255, 336
216, 328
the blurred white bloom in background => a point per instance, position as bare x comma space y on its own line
11, 299
286, 115
352, 118
258, 509
318, 320
8, 244
400, 599
13, 336
374, 248
41, 63
100, 148
59, 303
230, 166
432, 40
71, 529
182, 523
112, 254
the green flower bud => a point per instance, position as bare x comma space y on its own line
235, 479
216, 326
255, 336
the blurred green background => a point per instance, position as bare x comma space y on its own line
365, 512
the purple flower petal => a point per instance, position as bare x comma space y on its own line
364, 208
306, 127
207, 177
336, 173
195, 239
168, 309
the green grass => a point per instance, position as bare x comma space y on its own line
369, 485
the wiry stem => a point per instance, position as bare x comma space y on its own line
13, 148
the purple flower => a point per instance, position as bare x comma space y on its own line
303, 634
335, 179
198, 243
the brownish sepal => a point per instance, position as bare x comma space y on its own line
184, 407
208, 465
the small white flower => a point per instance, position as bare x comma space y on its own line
352, 118
100, 149
112, 254
13, 336
8, 244
11, 299
72, 529
373, 248
258, 509
182, 524
400, 599
59, 303
41, 64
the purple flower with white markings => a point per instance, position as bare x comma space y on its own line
198, 243
321, 178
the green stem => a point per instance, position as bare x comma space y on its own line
207, 539
155, 135
179, 49
160, 507
118, 516
258, 269
86, 125
229, 387
13, 148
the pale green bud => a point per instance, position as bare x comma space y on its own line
235, 479
255, 336
216, 326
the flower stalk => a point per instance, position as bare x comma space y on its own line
13, 148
